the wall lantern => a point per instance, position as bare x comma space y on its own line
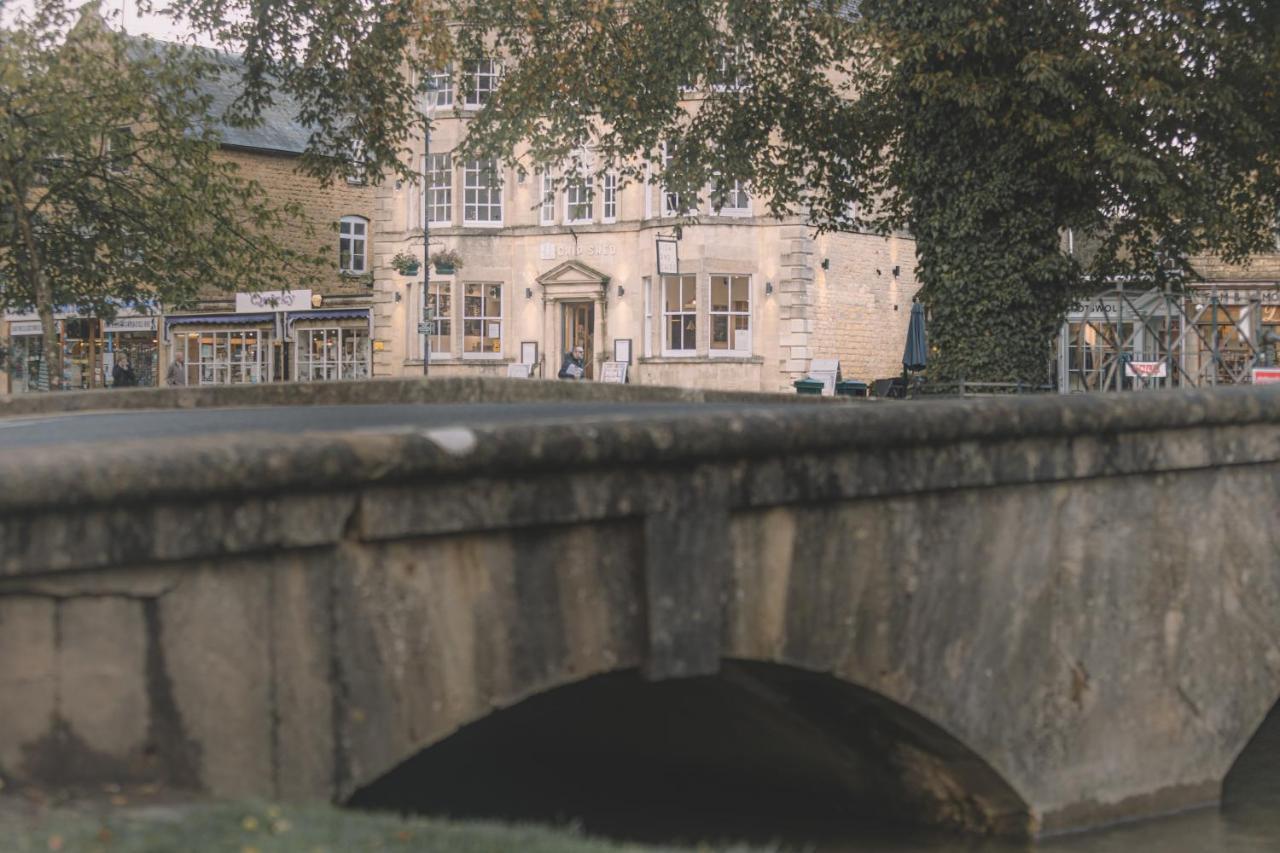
768, 287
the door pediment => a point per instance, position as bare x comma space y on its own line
573, 280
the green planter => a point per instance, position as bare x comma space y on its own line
444, 269
808, 386
411, 270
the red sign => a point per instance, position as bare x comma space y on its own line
1266, 375
1146, 369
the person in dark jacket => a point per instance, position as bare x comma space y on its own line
572, 366
122, 375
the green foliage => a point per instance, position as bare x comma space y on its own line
984, 127
110, 180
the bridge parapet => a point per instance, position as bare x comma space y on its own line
1060, 612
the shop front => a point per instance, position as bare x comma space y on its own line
90, 350
225, 349
330, 345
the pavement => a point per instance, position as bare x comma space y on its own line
20, 433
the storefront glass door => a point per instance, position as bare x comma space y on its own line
578, 328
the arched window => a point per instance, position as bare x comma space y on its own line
353, 245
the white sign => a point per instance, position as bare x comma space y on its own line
495, 330
1146, 369
273, 300
130, 324
1266, 375
25, 327
614, 371
668, 258
424, 328
518, 371
550, 251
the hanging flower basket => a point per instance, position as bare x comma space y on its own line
446, 261
405, 264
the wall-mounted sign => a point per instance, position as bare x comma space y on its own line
528, 352
613, 371
273, 300
1266, 375
622, 350
25, 327
668, 257
549, 251
130, 324
1146, 369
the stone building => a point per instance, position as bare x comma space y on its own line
314, 333
547, 265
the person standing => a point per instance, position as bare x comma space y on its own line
122, 375
572, 367
177, 375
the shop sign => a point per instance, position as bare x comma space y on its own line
1146, 369
1266, 375
130, 324
549, 251
25, 327
614, 372
668, 259
273, 300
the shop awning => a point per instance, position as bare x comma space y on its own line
328, 314
216, 319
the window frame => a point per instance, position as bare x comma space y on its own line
738, 188
547, 207
474, 167
668, 315
574, 187
609, 197
439, 89
475, 96
665, 210
431, 189
443, 321
352, 219
484, 319
343, 367
119, 164
730, 313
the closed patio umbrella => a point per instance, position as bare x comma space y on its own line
917, 351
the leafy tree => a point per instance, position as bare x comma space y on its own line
984, 127
112, 190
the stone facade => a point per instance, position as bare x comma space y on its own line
541, 278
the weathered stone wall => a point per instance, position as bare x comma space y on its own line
860, 308
323, 205
1069, 608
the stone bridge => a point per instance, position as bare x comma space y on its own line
1016, 616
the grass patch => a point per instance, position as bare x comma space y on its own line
239, 827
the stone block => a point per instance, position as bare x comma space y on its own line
28, 678
102, 668
216, 636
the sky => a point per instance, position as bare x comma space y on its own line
134, 21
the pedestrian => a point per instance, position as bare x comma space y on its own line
177, 375
122, 375
572, 366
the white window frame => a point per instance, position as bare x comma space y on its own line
442, 321
730, 314
736, 193
573, 190
609, 197
214, 370
547, 209
440, 88
484, 320
347, 235
472, 172
477, 70
438, 196
647, 328
665, 209
686, 279
336, 363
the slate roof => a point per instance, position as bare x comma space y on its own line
278, 129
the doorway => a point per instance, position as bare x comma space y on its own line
578, 328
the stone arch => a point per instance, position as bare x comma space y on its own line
759, 744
